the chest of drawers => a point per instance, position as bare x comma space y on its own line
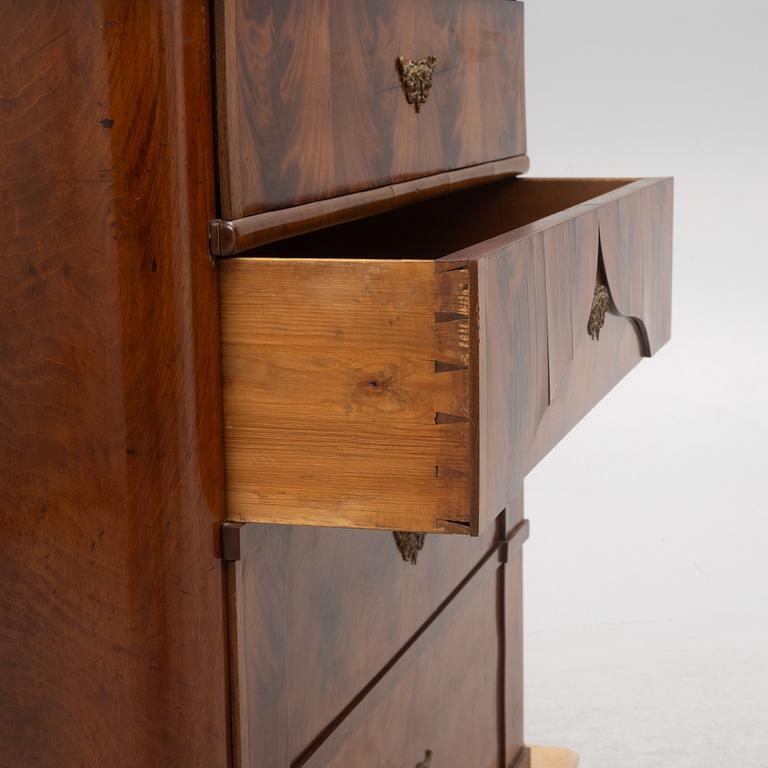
283, 330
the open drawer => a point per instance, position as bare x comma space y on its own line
405, 371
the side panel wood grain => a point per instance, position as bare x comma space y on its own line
311, 105
112, 628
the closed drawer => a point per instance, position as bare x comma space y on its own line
406, 371
312, 104
316, 615
441, 702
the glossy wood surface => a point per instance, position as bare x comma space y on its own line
319, 618
441, 697
535, 288
229, 238
347, 362
311, 106
512, 672
316, 615
112, 608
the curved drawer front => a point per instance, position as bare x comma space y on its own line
406, 371
313, 101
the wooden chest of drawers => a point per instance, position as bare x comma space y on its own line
406, 329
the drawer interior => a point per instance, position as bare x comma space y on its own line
405, 371
439, 227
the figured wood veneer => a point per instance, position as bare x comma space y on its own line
317, 598
311, 107
442, 696
112, 603
406, 371
327, 628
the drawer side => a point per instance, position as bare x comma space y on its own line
348, 391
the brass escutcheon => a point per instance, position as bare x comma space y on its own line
601, 302
416, 76
409, 545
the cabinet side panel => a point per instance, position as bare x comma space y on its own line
316, 108
113, 630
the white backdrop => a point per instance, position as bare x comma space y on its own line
647, 568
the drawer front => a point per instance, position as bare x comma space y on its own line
548, 351
406, 371
317, 614
439, 705
312, 101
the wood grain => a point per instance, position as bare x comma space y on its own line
310, 104
112, 628
347, 393
316, 615
443, 346
512, 600
229, 238
441, 696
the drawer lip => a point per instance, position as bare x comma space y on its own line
489, 247
231, 237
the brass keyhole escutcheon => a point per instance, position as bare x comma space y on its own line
409, 545
601, 302
416, 77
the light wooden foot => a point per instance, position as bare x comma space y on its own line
550, 757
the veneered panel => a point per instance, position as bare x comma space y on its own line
112, 607
317, 614
311, 105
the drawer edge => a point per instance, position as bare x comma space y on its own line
231, 237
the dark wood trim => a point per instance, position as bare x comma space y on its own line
514, 542
229, 238
230, 542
